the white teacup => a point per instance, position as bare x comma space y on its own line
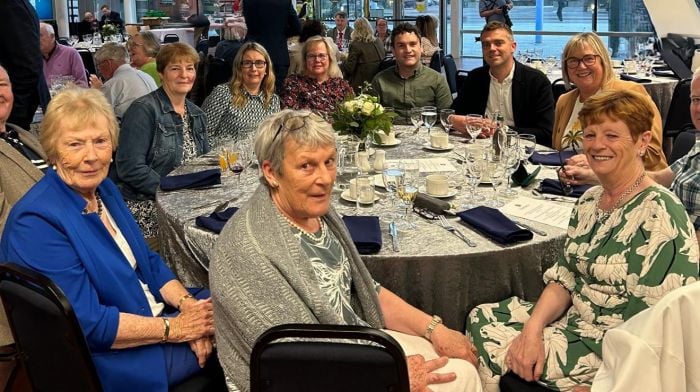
630, 66
438, 139
617, 63
362, 189
387, 139
436, 184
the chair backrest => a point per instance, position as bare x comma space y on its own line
88, 61
451, 72
218, 72
170, 38
47, 333
678, 115
559, 88
461, 77
317, 363
436, 61
682, 145
388, 62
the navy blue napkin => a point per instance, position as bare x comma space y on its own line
554, 187
631, 78
493, 224
365, 233
192, 180
216, 220
551, 158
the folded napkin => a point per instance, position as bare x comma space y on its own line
659, 72
192, 180
631, 78
493, 224
554, 187
365, 233
216, 220
551, 158
522, 177
430, 203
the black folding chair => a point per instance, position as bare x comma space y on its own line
88, 61
170, 38
451, 72
436, 61
682, 145
559, 88
327, 358
678, 116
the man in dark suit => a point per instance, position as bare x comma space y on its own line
20, 54
270, 23
523, 95
112, 17
341, 32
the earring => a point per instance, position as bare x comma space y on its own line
111, 160
642, 152
53, 167
274, 184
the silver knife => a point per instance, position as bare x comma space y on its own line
528, 227
394, 236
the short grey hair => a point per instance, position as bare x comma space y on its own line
47, 28
112, 51
150, 43
304, 127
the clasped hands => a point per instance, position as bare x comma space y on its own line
195, 325
447, 343
576, 171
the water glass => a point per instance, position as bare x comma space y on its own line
416, 118
474, 168
510, 157
496, 172
364, 194
429, 115
527, 144
445, 119
393, 176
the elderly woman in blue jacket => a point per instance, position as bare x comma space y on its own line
74, 227
159, 132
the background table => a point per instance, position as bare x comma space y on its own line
434, 271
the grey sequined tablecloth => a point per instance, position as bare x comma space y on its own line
434, 270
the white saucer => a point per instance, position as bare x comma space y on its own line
395, 143
430, 147
451, 192
346, 196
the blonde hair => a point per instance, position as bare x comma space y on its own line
267, 86
363, 31
73, 109
333, 69
427, 25
578, 42
632, 108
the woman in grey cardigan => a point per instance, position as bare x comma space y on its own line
286, 257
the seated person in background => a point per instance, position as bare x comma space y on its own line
60, 60
111, 17
159, 132
123, 84
365, 53
427, 27
86, 242
286, 257
586, 63
88, 25
629, 243
521, 94
682, 177
234, 33
320, 85
410, 84
309, 29
143, 49
235, 109
340, 34
383, 32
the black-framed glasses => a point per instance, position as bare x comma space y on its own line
588, 60
257, 63
319, 56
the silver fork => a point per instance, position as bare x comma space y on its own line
448, 226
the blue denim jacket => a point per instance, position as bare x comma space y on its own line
150, 143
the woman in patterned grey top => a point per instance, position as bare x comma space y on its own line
286, 257
235, 109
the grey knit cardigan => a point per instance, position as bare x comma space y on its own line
260, 277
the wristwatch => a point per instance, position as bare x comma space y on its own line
431, 327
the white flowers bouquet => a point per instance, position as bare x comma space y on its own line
362, 115
109, 30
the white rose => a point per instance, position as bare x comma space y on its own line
349, 106
380, 108
367, 108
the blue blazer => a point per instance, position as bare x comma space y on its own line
47, 232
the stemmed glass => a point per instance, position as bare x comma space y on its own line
475, 123
474, 167
510, 156
416, 118
408, 191
393, 176
235, 165
496, 173
429, 115
445, 119
527, 144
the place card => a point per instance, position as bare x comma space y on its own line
433, 165
541, 211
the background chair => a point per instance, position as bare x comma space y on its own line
559, 88
170, 38
317, 364
678, 116
88, 62
682, 145
451, 72
387, 62
51, 343
437, 60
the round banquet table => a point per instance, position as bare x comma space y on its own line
434, 270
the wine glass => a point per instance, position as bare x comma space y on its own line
416, 119
429, 115
235, 165
407, 194
474, 167
527, 144
510, 156
393, 176
445, 119
496, 172
73, 40
475, 123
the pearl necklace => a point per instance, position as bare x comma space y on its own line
99, 205
305, 233
603, 214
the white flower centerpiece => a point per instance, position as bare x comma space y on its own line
362, 116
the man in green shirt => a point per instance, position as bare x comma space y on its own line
410, 84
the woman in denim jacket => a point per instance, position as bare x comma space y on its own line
159, 132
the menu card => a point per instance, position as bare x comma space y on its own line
541, 211
433, 165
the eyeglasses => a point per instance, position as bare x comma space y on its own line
588, 60
319, 57
289, 125
257, 63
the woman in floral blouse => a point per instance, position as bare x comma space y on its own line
629, 243
321, 85
236, 108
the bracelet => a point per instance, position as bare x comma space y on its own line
166, 329
182, 299
431, 327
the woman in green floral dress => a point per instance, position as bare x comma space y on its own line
629, 242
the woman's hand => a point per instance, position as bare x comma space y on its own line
525, 356
420, 372
195, 321
202, 348
453, 344
576, 171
